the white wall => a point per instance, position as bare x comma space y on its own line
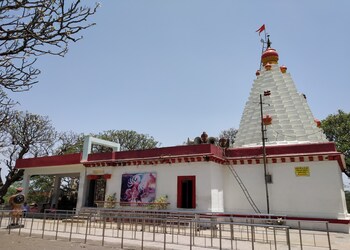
318, 195
209, 190
252, 177
217, 188
53, 170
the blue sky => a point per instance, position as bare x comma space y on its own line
173, 69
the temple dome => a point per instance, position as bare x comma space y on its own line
269, 56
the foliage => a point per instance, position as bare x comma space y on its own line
29, 29
40, 188
337, 129
5, 107
110, 200
69, 143
68, 194
26, 135
128, 140
30, 135
160, 203
347, 198
11, 191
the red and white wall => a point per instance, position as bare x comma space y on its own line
317, 194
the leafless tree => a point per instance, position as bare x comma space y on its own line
32, 28
26, 135
5, 115
69, 143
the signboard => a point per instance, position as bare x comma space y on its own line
302, 171
98, 171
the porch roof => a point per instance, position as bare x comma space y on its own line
188, 153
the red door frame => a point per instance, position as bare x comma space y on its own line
180, 179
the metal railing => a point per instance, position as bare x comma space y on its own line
162, 229
131, 205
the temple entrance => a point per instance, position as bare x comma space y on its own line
97, 192
186, 191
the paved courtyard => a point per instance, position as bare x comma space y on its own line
13, 240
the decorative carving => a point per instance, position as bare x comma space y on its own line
318, 123
283, 69
267, 120
268, 66
224, 142
204, 137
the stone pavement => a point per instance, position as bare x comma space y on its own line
13, 240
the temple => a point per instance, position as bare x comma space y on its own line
281, 164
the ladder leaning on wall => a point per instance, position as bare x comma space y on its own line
244, 189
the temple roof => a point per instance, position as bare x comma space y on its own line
288, 111
191, 154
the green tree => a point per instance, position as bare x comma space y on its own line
11, 191
337, 129
30, 135
26, 135
128, 139
40, 189
347, 198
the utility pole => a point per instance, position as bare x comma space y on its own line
263, 130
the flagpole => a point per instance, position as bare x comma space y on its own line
265, 34
263, 45
262, 51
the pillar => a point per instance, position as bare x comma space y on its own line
25, 183
81, 190
56, 190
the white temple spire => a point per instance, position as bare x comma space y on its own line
292, 120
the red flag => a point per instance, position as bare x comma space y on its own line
261, 29
267, 93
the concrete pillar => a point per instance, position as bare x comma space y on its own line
81, 190
25, 183
56, 190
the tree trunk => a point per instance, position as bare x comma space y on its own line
12, 177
